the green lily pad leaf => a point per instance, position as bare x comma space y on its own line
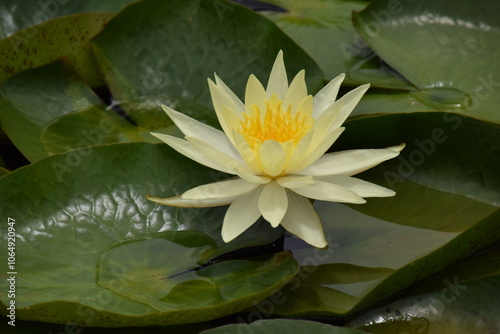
453, 64
177, 45
454, 300
50, 110
381, 104
61, 37
3, 171
282, 326
445, 209
17, 16
79, 215
324, 29
371, 69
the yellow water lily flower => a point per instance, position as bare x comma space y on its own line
275, 145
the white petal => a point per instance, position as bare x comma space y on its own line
327, 95
318, 151
246, 152
224, 158
220, 189
221, 100
278, 81
299, 152
193, 128
254, 178
306, 105
324, 124
272, 158
296, 92
185, 148
242, 213
349, 101
190, 203
351, 162
302, 220
295, 181
325, 191
273, 203
240, 107
255, 94
360, 187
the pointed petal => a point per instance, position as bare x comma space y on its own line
278, 81
245, 151
224, 158
302, 220
351, 162
242, 213
324, 124
190, 203
325, 98
325, 191
220, 100
240, 107
185, 148
193, 128
255, 94
318, 151
273, 203
306, 105
299, 152
295, 181
296, 92
360, 187
272, 158
349, 101
221, 189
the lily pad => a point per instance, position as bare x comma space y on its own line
324, 29
462, 300
448, 51
445, 209
61, 37
17, 16
155, 53
50, 110
77, 216
282, 326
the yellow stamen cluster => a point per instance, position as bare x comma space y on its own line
276, 124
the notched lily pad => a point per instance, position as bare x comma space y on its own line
160, 270
73, 217
445, 209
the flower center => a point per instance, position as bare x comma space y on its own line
275, 123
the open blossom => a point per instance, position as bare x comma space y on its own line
275, 145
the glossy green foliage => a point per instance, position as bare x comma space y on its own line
133, 256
